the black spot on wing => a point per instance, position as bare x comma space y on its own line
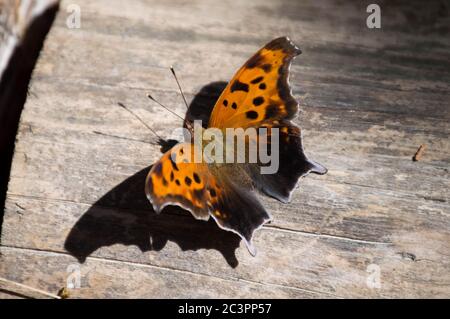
262, 86
239, 86
212, 192
258, 101
197, 178
266, 67
188, 181
252, 115
257, 80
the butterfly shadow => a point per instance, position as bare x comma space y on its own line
124, 215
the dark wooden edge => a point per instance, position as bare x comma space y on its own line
14, 89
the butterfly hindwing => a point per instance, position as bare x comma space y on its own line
237, 209
293, 163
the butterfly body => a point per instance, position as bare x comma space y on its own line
258, 106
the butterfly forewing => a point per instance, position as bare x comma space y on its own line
259, 96
259, 91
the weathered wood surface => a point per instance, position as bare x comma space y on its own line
369, 99
23, 26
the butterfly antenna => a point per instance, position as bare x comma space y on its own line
124, 137
160, 104
179, 86
139, 119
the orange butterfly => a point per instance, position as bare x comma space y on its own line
258, 96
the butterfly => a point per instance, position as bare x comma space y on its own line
258, 96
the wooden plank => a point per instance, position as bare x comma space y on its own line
23, 26
319, 196
337, 83
369, 99
367, 150
310, 261
100, 278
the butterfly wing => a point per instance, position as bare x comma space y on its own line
259, 91
293, 163
259, 96
176, 179
238, 210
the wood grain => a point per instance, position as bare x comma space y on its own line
369, 98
